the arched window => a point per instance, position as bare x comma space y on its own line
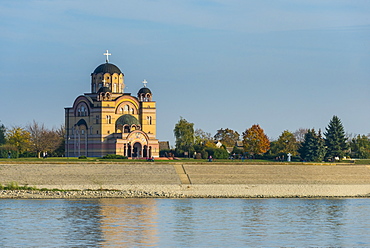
126, 109
109, 119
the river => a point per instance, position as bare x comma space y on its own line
185, 223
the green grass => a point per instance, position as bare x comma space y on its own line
130, 161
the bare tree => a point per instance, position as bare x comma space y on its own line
43, 139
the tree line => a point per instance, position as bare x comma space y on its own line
33, 140
304, 144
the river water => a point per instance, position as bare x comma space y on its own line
185, 223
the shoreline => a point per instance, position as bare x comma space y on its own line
197, 191
182, 180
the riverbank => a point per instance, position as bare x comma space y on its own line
185, 180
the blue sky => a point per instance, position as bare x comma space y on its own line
219, 63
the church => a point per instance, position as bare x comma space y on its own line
110, 121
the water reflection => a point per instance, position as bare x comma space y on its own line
185, 223
128, 221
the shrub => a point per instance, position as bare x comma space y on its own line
82, 157
6, 150
12, 186
1, 187
114, 156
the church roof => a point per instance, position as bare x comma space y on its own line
107, 68
144, 90
127, 120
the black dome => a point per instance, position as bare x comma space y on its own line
107, 68
144, 90
104, 89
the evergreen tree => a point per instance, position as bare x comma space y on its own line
313, 147
335, 140
2, 134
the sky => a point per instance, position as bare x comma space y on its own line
282, 64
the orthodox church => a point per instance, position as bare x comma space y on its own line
110, 121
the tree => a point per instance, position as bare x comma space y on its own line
299, 134
43, 139
227, 137
255, 140
184, 134
360, 146
19, 138
335, 139
201, 137
2, 134
313, 146
286, 143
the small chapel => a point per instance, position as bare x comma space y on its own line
109, 121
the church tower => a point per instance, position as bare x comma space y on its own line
109, 121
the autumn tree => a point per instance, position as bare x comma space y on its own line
184, 134
43, 139
313, 147
335, 139
19, 138
227, 137
360, 146
255, 140
286, 143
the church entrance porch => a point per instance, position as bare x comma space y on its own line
137, 150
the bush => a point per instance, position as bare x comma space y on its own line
12, 186
82, 157
6, 149
114, 156
218, 153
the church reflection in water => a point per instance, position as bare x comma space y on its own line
128, 221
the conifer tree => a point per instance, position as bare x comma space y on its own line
312, 148
335, 140
2, 134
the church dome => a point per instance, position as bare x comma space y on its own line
127, 120
107, 68
144, 90
104, 89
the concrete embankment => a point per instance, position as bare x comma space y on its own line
186, 180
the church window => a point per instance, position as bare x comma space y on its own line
108, 132
132, 111
114, 87
97, 119
109, 119
126, 109
82, 132
149, 119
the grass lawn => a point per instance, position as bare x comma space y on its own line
181, 160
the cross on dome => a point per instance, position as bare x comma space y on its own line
107, 54
145, 82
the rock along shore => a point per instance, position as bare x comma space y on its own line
184, 180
